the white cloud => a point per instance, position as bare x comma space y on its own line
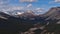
11, 8
16, 8
29, 5
4, 6
28, 0
57, 0
4, 2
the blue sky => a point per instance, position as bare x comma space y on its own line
39, 3
30, 4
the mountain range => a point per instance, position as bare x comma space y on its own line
10, 24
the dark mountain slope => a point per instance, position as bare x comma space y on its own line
10, 24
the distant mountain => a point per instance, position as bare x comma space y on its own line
14, 12
53, 14
28, 13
